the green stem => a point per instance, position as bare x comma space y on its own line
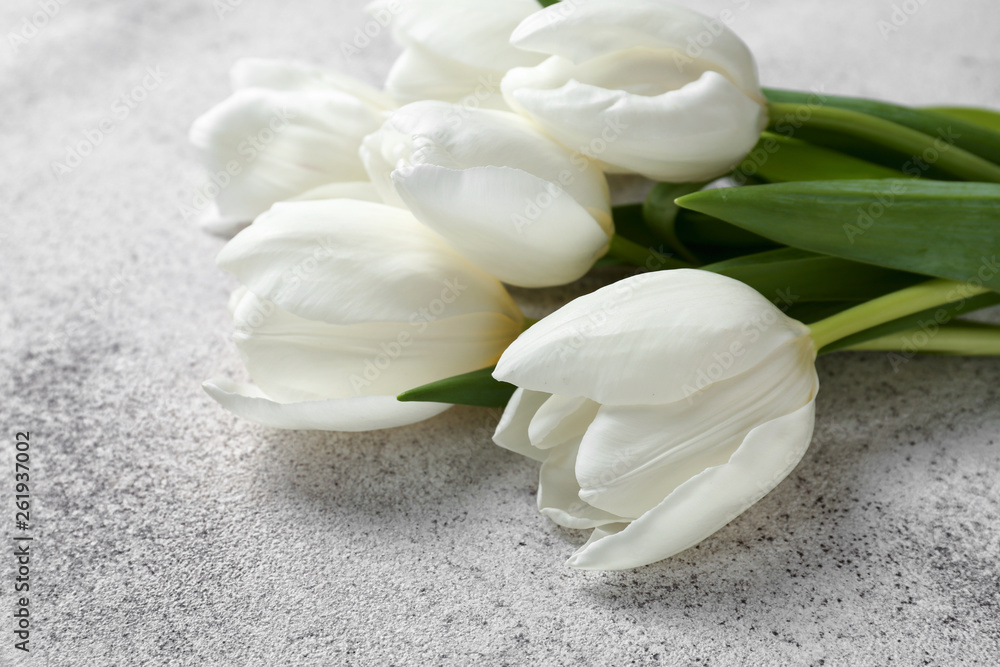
891, 307
968, 133
965, 338
660, 211
637, 255
952, 159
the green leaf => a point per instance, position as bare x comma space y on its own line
659, 212
810, 312
648, 257
477, 388
781, 159
609, 261
790, 276
969, 136
876, 134
706, 230
630, 224
986, 118
714, 240
694, 237
941, 229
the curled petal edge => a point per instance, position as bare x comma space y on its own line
708, 501
353, 414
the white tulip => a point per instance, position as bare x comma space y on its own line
454, 50
645, 86
346, 305
288, 127
510, 199
661, 408
358, 190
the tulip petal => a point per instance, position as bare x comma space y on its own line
343, 261
560, 419
212, 221
516, 226
361, 413
617, 338
358, 190
467, 31
694, 133
589, 29
421, 74
381, 152
296, 75
446, 135
297, 359
269, 145
632, 457
706, 502
557, 492
512, 431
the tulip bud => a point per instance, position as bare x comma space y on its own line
454, 50
661, 408
504, 195
288, 127
642, 85
346, 305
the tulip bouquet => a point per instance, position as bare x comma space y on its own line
778, 226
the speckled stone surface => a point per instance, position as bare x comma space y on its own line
167, 532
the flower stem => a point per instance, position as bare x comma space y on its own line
951, 159
891, 307
637, 255
965, 338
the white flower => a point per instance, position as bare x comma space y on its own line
288, 127
510, 199
454, 50
662, 407
359, 190
643, 85
346, 305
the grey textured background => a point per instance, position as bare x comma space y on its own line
170, 533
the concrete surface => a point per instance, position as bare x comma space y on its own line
167, 532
